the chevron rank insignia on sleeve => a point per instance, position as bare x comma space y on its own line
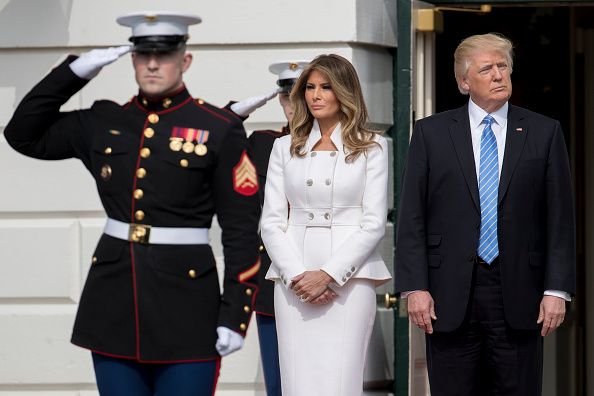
245, 179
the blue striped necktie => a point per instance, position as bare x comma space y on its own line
488, 191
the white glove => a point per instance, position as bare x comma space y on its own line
247, 106
89, 64
228, 341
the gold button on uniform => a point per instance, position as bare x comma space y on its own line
145, 152
149, 132
192, 273
144, 102
138, 194
242, 327
248, 292
94, 260
183, 163
105, 172
261, 248
107, 150
153, 118
246, 309
140, 173
200, 101
139, 215
166, 102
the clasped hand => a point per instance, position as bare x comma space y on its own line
312, 287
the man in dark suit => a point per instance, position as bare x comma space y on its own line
485, 241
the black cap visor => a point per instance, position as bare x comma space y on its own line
286, 85
158, 43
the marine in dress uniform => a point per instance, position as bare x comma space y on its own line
261, 142
164, 165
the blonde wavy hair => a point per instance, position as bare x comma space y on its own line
472, 45
341, 74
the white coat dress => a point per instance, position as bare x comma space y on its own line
323, 213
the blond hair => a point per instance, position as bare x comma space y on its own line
341, 74
472, 45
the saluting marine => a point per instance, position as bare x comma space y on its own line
164, 164
261, 142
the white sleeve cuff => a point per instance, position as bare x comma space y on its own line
558, 293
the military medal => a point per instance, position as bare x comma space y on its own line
201, 138
175, 144
188, 147
200, 149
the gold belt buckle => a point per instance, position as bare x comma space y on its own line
139, 233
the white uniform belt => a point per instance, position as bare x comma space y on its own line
147, 234
326, 217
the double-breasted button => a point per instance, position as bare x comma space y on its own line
313, 154
145, 152
153, 118
149, 132
248, 292
243, 327
344, 279
246, 309
192, 273
107, 150
348, 274
327, 216
184, 163
139, 215
138, 194
353, 269
140, 173
310, 216
309, 182
94, 260
328, 182
333, 154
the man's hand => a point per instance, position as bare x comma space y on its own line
89, 64
247, 106
421, 310
310, 285
228, 341
552, 313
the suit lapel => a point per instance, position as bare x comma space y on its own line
516, 133
462, 140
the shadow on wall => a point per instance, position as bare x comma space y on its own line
26, 24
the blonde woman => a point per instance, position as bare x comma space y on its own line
324, 214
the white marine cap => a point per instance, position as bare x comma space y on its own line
288, 72
158, 30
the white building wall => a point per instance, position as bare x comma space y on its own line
50, 216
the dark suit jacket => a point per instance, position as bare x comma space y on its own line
439, 217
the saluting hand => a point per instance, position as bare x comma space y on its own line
552, 314
421, 309
310, 285
89, 64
